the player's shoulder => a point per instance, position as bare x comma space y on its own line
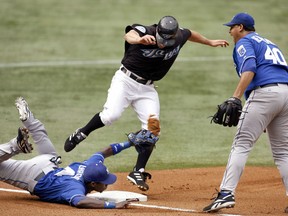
244, 41
185, 31
141, 29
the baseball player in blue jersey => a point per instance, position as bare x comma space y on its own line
41, 175
263, 73
150, 51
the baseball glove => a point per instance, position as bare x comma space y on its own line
142, 140
228, 112
154, 125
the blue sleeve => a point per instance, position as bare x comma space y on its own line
243, 52
74, 195
249, 65
76, 199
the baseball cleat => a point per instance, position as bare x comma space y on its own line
23, 108
139, 178
223, 200
73, 140
22, 140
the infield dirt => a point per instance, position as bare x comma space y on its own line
260, 192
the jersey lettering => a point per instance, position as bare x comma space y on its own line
153, 53
172, 53
275, 55
80, 172
158, 53
260, 39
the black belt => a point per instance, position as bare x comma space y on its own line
41, 175
137, 79
269, 85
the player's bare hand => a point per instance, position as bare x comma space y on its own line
148, 40
124, 204
216, 43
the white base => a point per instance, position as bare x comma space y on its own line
118, 196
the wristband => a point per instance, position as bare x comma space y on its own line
118, 147
109, 205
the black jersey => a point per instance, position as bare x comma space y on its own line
149, 61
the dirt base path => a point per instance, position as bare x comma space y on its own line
260, 192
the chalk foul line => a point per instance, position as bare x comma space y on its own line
134, 204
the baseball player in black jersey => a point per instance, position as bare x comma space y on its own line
150, 51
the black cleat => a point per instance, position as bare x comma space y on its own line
23, 108
73, 140
22, 140
139, 178
223, 200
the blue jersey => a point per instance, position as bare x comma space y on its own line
66, 185
270, 65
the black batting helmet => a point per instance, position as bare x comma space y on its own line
166, 30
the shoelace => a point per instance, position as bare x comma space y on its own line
146, 175
215, 194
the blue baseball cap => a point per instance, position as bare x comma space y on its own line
98, 173
241, 18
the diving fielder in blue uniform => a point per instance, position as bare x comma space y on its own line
41, 175
263, 73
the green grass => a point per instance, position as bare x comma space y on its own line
65, 97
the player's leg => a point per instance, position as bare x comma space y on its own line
253, 121
120, 95
257, 114
147, 104
8, 150
118, 99
21, 173
35, 127
25, 174
16, 145
278, 137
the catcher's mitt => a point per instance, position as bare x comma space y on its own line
154, 125
142, 140
228, 112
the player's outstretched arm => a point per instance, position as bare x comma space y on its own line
90, 203
115, 148
139, 139
198, 38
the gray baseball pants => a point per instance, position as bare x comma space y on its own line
266, 108
24, 174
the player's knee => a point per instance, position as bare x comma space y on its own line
108, 117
